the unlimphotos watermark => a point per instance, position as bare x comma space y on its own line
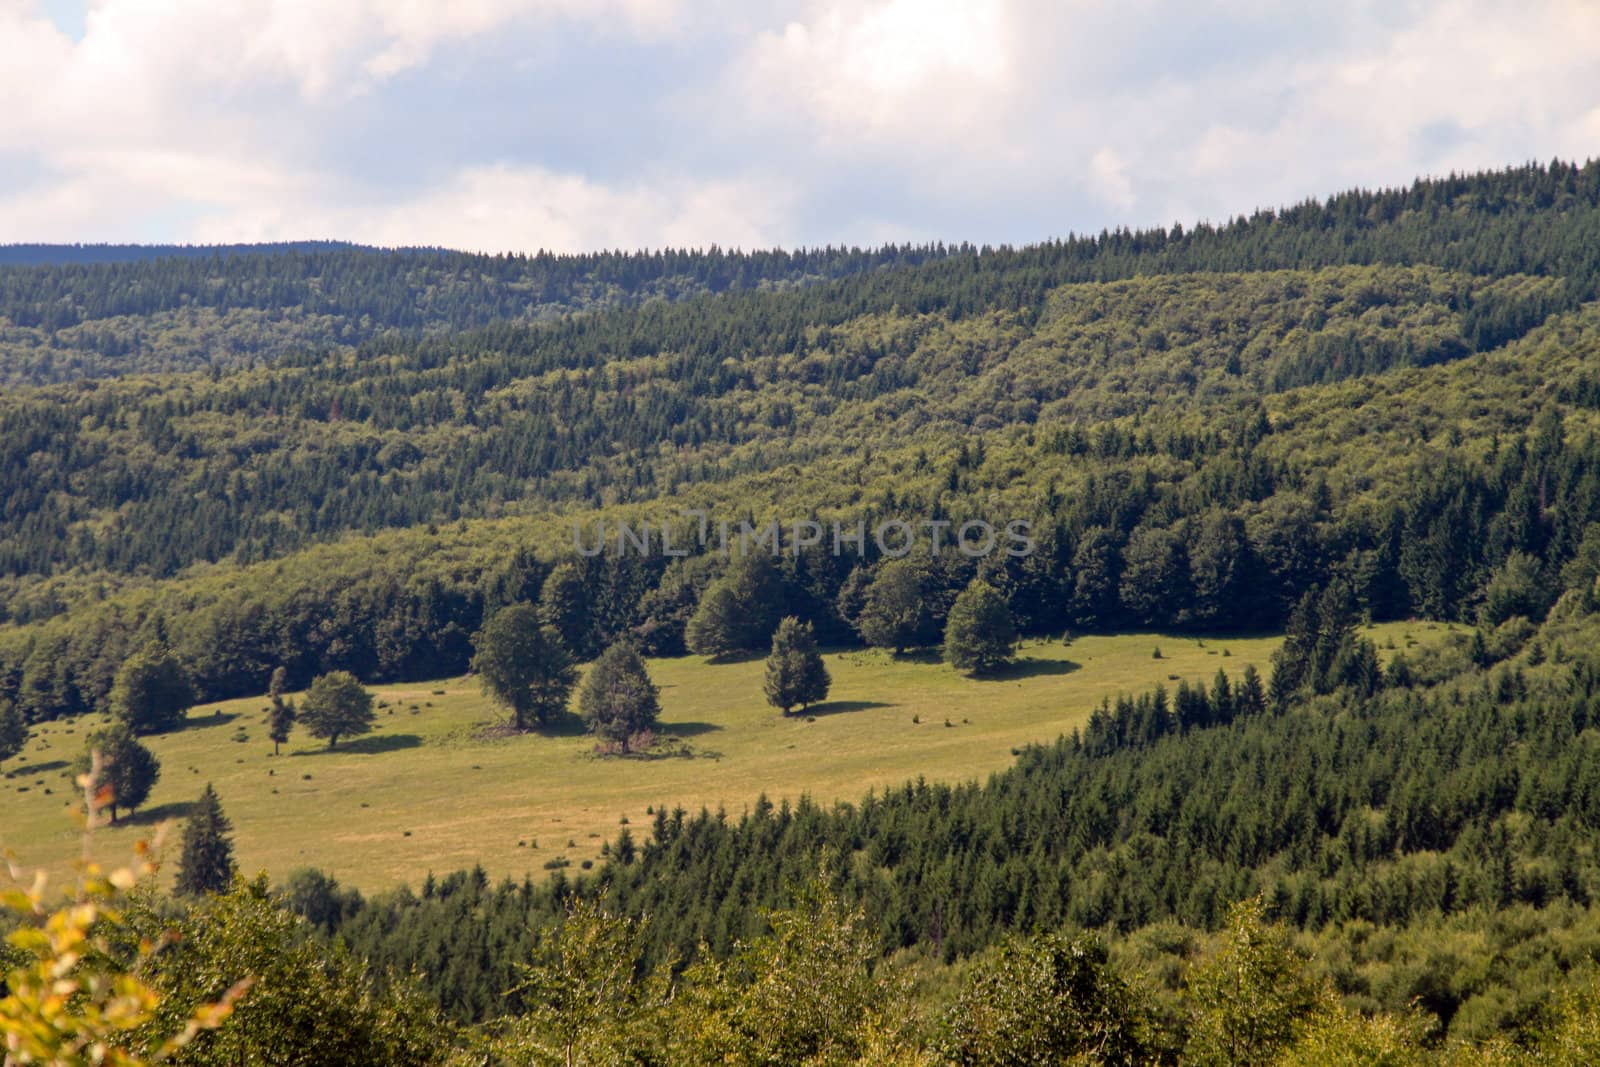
893, 538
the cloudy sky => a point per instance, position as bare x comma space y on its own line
580, 124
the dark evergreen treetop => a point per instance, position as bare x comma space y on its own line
205, 864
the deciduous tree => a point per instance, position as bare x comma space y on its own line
894, 613
524, 665
281, 713
1045, 1000
1252, 995
151, 691
979, 636
336, 706
129, 769
13, 730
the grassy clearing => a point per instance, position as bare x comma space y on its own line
431, 789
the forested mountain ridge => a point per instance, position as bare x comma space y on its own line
1316, 403
147, 477
92, 319
231, 307
56, 255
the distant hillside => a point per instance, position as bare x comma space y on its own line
48, 255
85, 317
222, 309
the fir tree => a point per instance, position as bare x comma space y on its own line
206, 864
795, 671
281, 714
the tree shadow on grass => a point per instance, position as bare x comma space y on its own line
839, 707
1030, 668
919, 655
743, 655
176, 809
371, 745
35, 768
217, 718
685, 729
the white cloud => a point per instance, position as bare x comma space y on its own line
759, 122
891, 68
503, 208
1109, 176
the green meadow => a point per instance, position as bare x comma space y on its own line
439, 786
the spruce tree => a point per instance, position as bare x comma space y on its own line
281, 715
1251, 698
1294, 663
1222, 699
979, 636
1335, 634
795, 671
206, 864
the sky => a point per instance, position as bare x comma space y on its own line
572, 125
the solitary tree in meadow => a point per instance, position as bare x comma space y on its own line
336, 706
129, 769
979, 636
206, 864
795, 671
524, 665
618, 699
